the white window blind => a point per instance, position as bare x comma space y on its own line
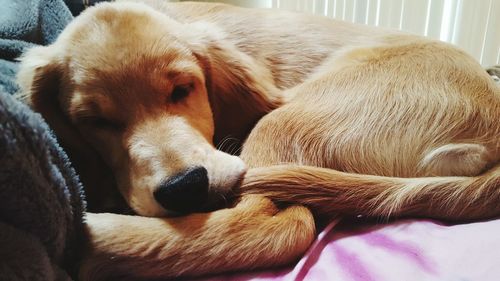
473, 25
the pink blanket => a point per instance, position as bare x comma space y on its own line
401, 251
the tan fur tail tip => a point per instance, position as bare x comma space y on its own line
330, 192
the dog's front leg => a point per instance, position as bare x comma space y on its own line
254, 234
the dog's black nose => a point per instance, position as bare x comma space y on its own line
184, 192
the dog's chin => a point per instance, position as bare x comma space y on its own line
216, 201
151, 211
143, 204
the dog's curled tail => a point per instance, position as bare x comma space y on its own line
330, 192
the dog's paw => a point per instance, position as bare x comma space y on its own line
279, 236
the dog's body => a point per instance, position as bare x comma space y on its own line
369, 122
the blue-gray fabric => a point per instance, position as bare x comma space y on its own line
41, 198
24, 23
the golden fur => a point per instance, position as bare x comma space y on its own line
359, 121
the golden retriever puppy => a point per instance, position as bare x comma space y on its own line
359, 121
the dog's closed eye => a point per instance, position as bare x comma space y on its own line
102, 123
180, 92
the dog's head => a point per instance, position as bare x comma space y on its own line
120, 78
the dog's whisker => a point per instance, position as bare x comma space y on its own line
224, 199
231, 148
229, 144
238, 151
221, 144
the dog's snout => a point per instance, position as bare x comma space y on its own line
184, 192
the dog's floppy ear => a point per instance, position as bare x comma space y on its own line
40, 78
240, 90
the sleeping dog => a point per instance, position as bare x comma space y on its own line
344, 119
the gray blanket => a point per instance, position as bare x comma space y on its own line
41, 199
41, 202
